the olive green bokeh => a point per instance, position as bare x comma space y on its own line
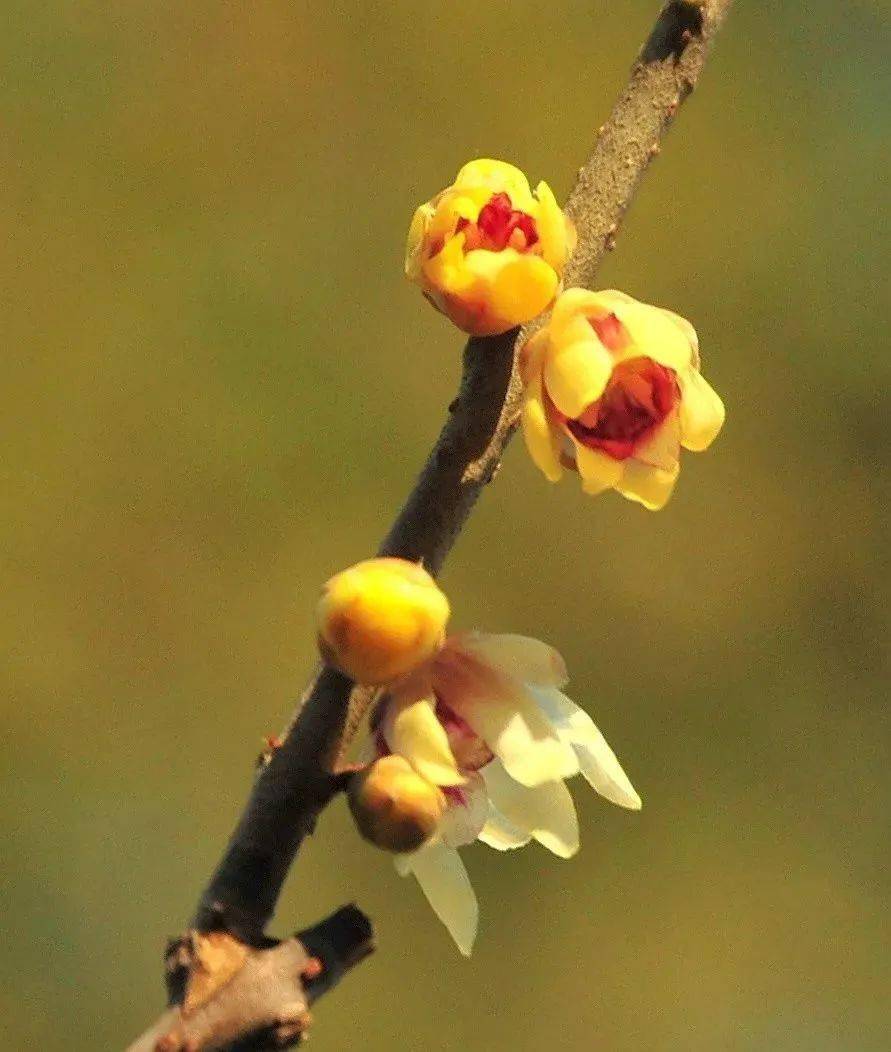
218, 389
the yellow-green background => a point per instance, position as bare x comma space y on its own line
216, 391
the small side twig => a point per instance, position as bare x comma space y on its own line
263, 1002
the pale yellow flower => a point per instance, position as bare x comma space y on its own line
489, 252
485, 722
380, 619
612, 389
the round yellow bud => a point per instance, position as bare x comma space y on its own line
394, 807
380, 619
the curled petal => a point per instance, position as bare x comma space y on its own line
501, 834
662, 446
702, 411
598, 470
444, 881
647, 485
597, 761
545, 811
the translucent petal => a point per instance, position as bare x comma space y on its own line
416, 231
501, 834
663, 444
597, 761
444, 881
647, 485
521, 657
545, 811
702, 411
466, 814
411, 729
515, 730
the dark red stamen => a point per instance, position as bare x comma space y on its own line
639, 396
498, 225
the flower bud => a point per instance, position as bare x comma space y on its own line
488, 251
380, 619
394, 807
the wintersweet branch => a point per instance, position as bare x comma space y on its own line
232, 984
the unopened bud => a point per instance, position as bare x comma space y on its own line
394, 807
380, 619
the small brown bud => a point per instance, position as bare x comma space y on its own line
394, 807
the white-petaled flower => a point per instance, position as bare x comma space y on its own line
486, 721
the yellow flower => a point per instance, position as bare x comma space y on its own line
485, 722
394, 807
488, 252
380, 619
613, 390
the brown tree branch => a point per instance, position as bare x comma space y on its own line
300, 777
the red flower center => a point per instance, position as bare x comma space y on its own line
499, 226
639, 396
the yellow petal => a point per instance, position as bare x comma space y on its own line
415, 240
597, 761
541, 441
598, 470
411, 730
514, 287
520, 657
702, 411
576, 374
647, 485
532, 354
545, 811
444, 881
571, 306
447, 271
497, 176
662, 445
556, 233
688, 331
653, 334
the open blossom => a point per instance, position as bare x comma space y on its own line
613, 390
488, 252
485, 721
379, 619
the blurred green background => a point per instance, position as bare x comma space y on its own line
218, 389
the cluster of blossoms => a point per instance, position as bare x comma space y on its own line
612, 387
472, 740
471, 737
